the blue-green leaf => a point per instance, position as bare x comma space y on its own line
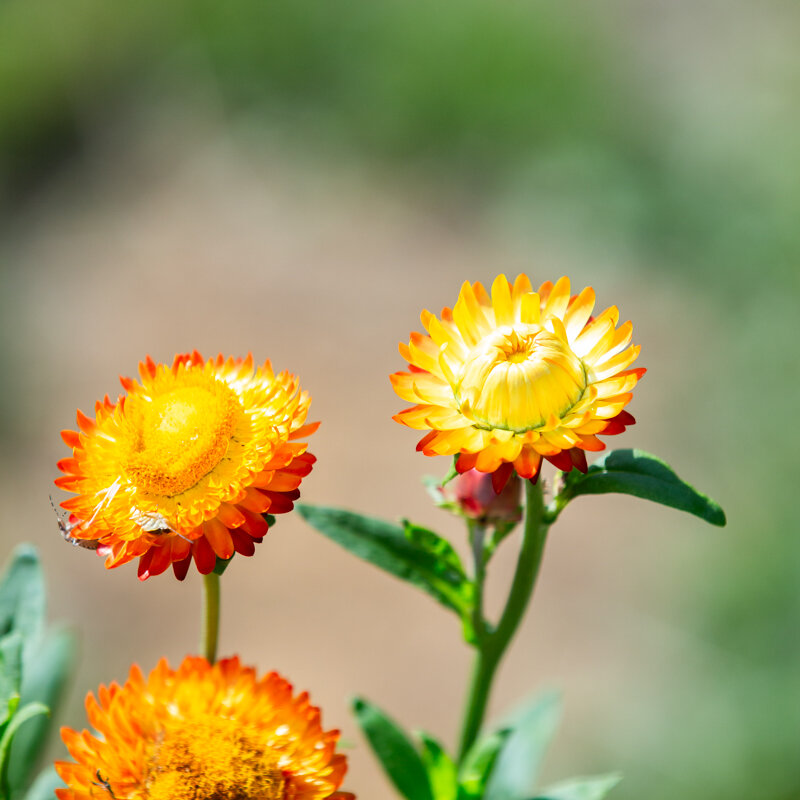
642, 475
10, 674
386, 546
43, 680
532, 727
22, 596
398, 756
19, 718
442, 771
45, 785
479, 764
595, 788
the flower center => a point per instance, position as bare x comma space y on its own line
517, 377
179, 436
214, 759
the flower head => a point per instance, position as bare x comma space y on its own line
188, 464
506, 380
202, 732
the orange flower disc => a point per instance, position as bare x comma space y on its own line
506, 379
187, 464
202, 732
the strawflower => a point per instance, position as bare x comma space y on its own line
506, 380
188, 464
202, 733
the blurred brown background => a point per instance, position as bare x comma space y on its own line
300, 181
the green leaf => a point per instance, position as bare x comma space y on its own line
442, 772
386, 546
642, 475
436, 545
532, 727
398, 756
43, 681
45, 785
10, 674
595, 788
22, 596
20, 718
479, 764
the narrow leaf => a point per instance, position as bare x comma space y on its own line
595, 788
22, 597
386, 546
43, 681
45, 785
398, 756
10, 674
20, 718
642, 475
479, 764
532, 726
442, 772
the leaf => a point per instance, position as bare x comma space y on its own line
442, 772
20, 718
398, 756
10, 674
22, 596
642, 475
386, 546
436, 545
532, 727
479, 763
43, 681
45, 785
595, 788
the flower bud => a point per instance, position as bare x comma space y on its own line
473, 495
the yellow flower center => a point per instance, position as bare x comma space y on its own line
214, 759
516, 377
179, 435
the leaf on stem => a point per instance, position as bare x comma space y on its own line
421, 558
532, 727
20, 717
398, 756
595, 788
43, 680
642, 475
10, 675
22, 597
442, 771
479, 764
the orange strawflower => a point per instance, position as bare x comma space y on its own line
188, 464
506, 380
202, 732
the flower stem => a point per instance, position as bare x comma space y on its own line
492, 646
210, 616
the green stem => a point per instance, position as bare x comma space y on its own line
492, 646
210, 616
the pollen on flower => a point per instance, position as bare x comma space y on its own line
216, 759
177, 438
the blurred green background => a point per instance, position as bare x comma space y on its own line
300, 179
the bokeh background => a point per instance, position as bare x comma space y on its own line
299, 179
